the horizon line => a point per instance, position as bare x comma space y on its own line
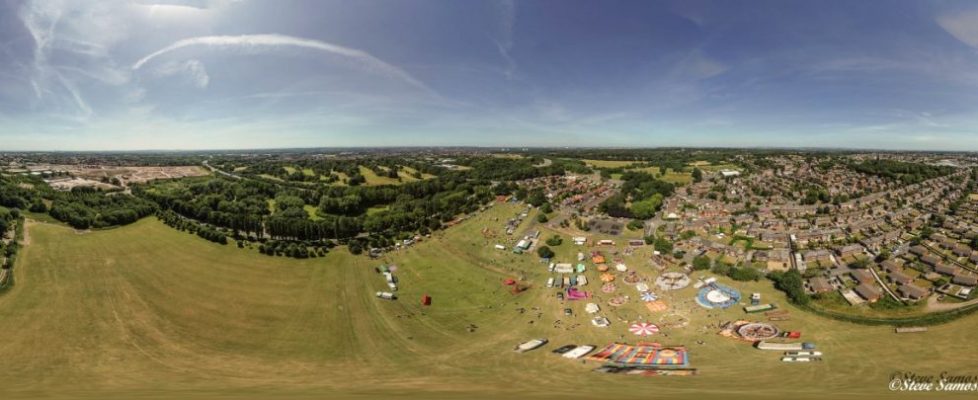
501, 148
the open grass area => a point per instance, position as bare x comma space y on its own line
707, 167
271, 177
671, 176
608, 163
376, 180
312, 211
377, 209
405, 174
145, 308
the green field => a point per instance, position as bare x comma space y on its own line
608, 163
147, 309
672, 176
313, 212
375, 180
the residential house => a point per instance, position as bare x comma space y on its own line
912, 291
869, 292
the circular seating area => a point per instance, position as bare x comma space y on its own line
717, 296
672, 281
758, 331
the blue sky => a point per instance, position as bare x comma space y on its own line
108, 75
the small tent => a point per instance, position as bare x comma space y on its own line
425, 300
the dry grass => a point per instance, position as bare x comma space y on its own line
145, 309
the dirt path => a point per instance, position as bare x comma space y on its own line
933, 305
27, 232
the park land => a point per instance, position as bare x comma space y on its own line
123, 307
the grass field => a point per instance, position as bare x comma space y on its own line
313, 212
672, 176
147, 309
608, 163
375, 180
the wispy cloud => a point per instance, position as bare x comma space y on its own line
962, 25
192, 68
265, 41
504, 43
71, 45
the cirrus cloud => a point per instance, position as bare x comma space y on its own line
264, 41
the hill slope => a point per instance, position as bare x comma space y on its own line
147, 308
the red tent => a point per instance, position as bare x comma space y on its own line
794, 335
425, 300
510, 281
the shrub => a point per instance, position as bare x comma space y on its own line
545, 252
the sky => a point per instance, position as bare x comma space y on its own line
242, 74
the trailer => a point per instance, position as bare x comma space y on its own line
803, 353
530, 345
387, 295
797, 346
800, 359
564, 268
578, 352
391, 281
759, 308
